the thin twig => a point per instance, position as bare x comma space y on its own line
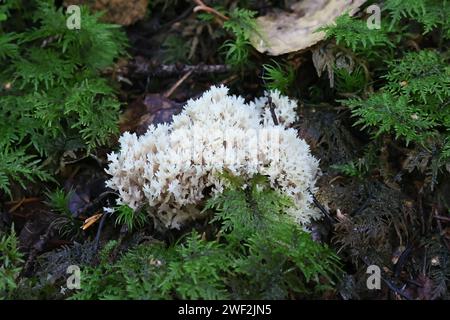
442, 218
99, 230
402, 260
230, 79
95, 204
144, 67
272, 110
177, 84
203, 7
395, 289
316, 202
22, 201
16, 206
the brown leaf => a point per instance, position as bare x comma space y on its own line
425, 292
325, 59
281, 32
123, 12
91, 220
147, 110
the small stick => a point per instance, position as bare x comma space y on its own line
203, 7
335, 179
442, 218
402, 260
270, 102
16, 206
316, 202
145, 67
22, 201
395, 289
99, 230
230, 79
272, 110
95, 204
177, 84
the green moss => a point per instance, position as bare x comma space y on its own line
257, 252
408, 92
11, 261
51, 86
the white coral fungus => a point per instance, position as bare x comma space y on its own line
172, 167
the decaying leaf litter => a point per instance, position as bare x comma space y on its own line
386, 208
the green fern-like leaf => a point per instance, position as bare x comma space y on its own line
430, 13
278, 77
17, 165
387, 113
241, 24
8, 49
355, 34
43, 69
10, 264
423, 75
51, 87
130, 217
259, 253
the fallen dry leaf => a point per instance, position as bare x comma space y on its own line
123, 12
281, 32
147, 110
91, 220
326, 59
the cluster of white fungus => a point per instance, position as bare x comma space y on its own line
173, 167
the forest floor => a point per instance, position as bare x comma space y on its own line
388, 216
